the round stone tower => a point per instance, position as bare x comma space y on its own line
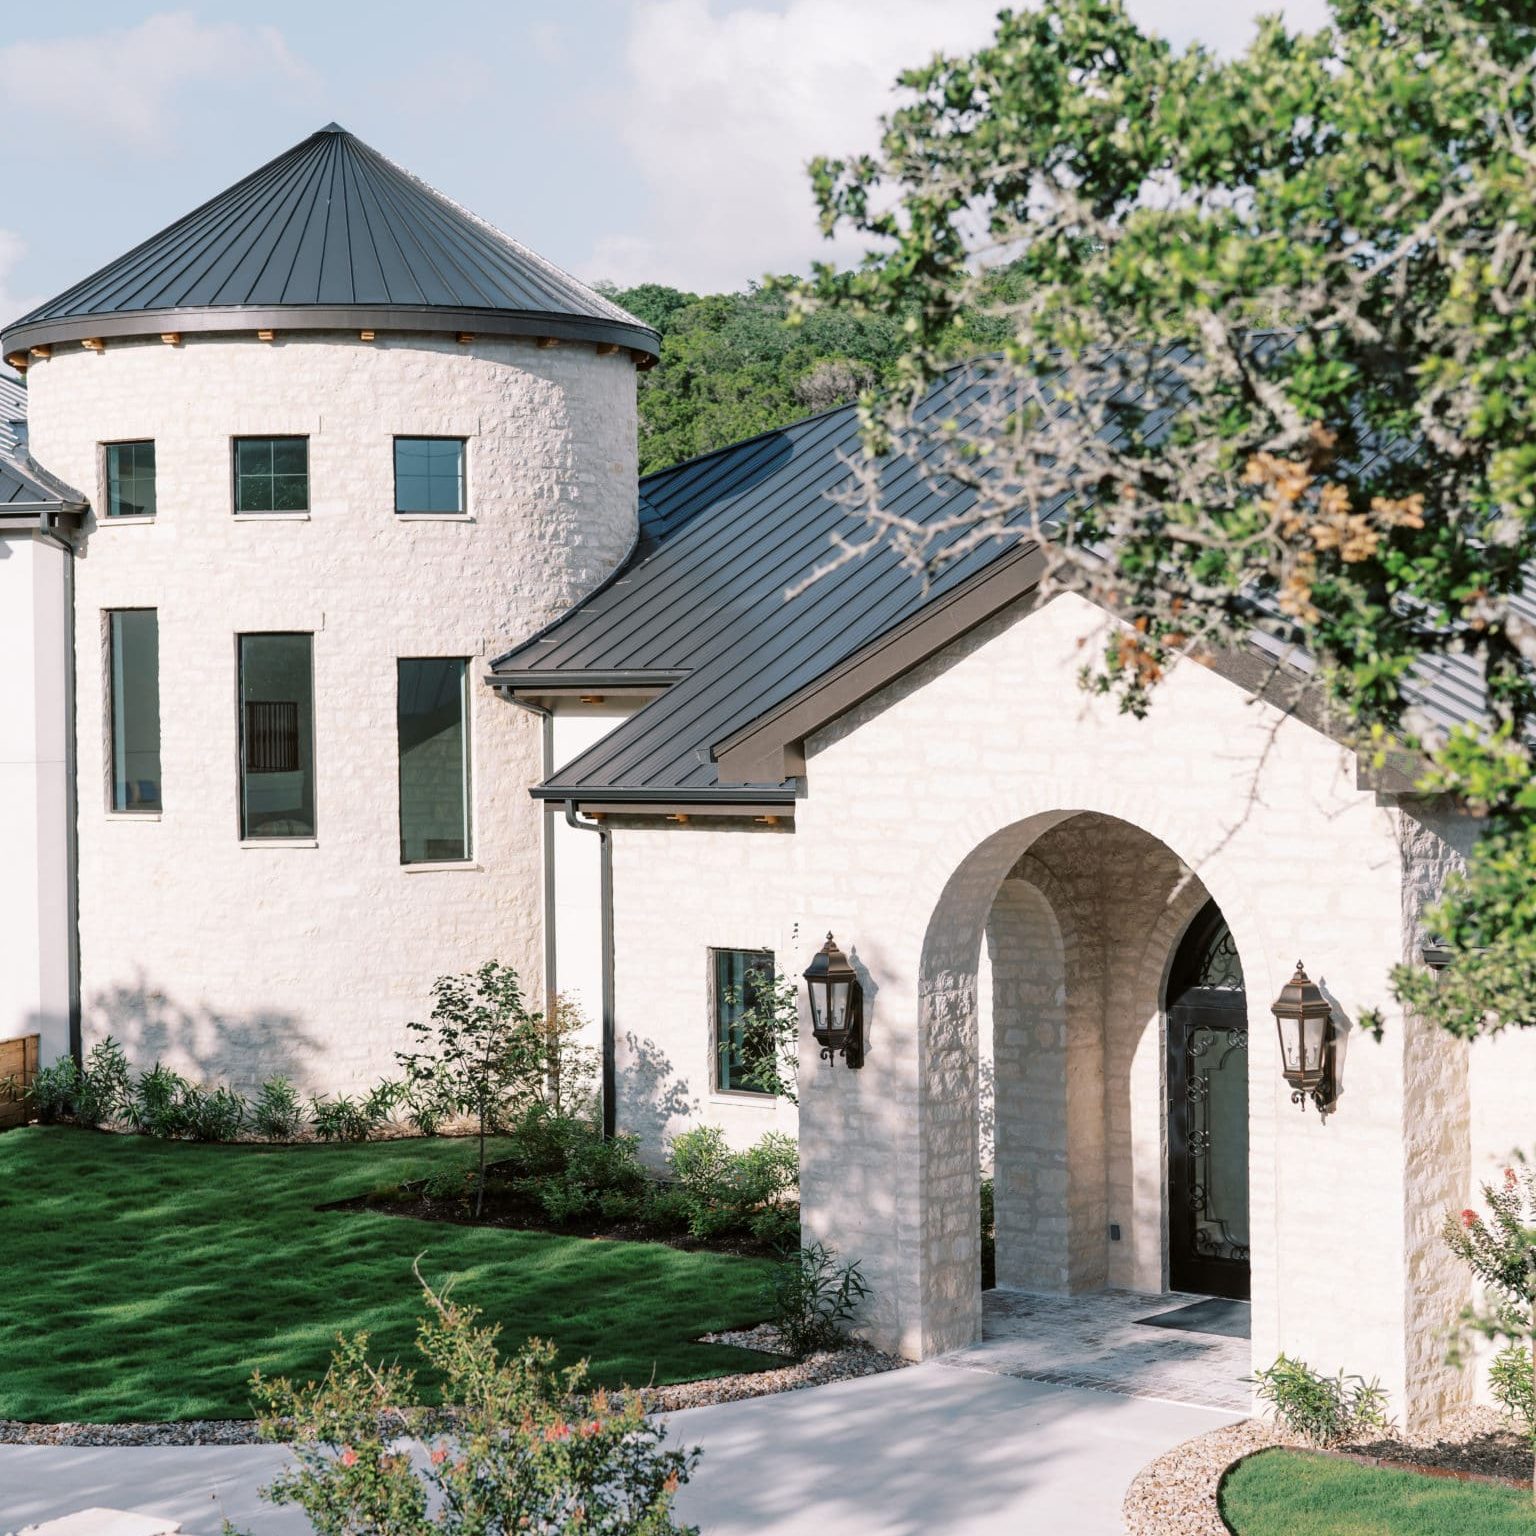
344, 443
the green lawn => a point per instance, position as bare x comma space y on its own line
146, 1279
1286, 1493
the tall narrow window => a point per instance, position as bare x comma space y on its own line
741, 976
429, 474
271, 474
433, 713
277, 736
133, 647
130, 479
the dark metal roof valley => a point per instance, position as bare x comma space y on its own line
331, 233
700, 609
703, 600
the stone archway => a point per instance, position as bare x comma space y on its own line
1080, 913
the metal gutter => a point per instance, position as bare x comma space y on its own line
227, 319
605, 926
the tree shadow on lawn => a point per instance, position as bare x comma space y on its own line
147, 1280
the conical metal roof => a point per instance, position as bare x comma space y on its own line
330, 235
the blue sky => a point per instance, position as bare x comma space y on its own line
631, 139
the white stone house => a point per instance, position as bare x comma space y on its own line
356, 656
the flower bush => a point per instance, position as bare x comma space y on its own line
514, 1445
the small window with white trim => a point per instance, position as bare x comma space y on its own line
740, 978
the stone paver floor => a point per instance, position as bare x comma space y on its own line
1094, 1341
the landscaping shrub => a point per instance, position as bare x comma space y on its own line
723, 1191
518, 1447
213, 1114
1321, 1409
277, 1112
347, 1117
813, 1298
157, 1107
1510, 1381
104, 1093
54, 1090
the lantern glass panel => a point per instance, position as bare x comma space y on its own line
1290, 1044
837, 1009
817, 990
1313, 1026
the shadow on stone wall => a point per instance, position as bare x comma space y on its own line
651, 1094
209, 1045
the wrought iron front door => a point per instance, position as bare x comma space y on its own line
1208, 1143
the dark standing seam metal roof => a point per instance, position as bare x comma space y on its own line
332, 224
702, 601
722, 537
24, 486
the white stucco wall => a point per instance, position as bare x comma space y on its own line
34, 790
919, 802
233, 962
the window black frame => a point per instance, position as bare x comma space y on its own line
717, 1038
241, 771
466, 759
235, 444
108, 615
462, 510
107, 452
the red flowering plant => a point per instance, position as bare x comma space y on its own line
515, 1444
1500, 1249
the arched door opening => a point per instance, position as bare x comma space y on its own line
1207, 1039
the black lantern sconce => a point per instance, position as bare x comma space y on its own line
1305, 1021
837, 1005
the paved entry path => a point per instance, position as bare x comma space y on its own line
932, 1450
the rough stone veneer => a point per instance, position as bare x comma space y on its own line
919, 804
231, 962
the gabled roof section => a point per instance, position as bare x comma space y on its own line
740, 674
702, 601
13, 413
330, 234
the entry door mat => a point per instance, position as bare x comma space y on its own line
1231, 1319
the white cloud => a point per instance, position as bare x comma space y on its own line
725, 110
13, 303
118, 88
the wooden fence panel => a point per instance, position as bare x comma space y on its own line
18, 1066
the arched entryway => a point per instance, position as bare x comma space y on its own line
1207, 1044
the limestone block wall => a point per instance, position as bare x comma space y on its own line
230, 961
918, 805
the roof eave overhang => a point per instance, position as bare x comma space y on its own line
582, 683
233, 319
772, 747
747, 803
41, 516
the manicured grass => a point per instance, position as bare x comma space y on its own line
143, 1279
1287, 1493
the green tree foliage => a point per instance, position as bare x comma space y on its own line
1269, 366
736, 364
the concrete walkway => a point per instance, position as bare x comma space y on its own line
934, 1450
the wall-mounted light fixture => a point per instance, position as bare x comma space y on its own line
1305, 1021
837, 1005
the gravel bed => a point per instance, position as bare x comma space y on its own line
814, 1371
1176, 1494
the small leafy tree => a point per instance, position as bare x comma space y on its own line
766, 1033
516, 1446
485, 1054
1500, 1249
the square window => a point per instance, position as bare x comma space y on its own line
741, 977
130, 479
271, 474
429, 474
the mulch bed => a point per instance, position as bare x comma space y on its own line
1176, 1495
505, 1209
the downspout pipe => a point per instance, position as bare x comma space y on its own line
605, 928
